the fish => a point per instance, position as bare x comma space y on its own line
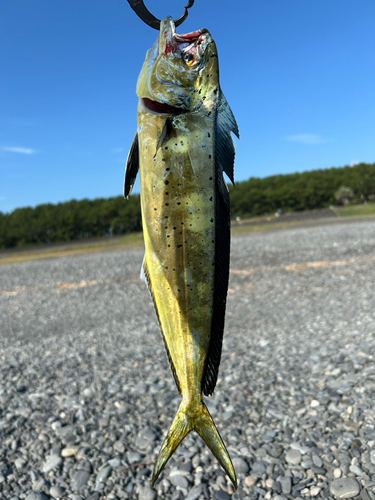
182, 148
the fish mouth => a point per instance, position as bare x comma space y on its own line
171, 42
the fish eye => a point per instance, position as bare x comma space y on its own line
190, 59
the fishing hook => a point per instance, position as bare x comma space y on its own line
141, 10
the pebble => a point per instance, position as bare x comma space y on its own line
344, 488
179, 480
314, 491
52, 463
57, 491
37, 495
286, 484
103, 475
240, 465
221, 495
68, 452
80, 479
250, 480
194, 493
293, 457
147, 493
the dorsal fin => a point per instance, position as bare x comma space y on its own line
132, 166
224, 147
224, 159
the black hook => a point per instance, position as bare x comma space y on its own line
141, 10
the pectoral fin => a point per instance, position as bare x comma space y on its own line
165, 133
132, 166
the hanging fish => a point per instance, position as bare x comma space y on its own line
182, 147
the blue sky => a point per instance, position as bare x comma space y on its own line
298, 74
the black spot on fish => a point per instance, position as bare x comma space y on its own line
211, 198
167, 193
166, 267
210, 179
215, 91
155, 209
182, 143
169, 245
213, 241
168, 236
167, 204
165, 182
163, 159
209, 157
182, 223
178, 203
179, 246
167, 169
211, 220
166, 147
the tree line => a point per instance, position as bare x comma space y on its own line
74, 220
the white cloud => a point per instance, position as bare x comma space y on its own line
117, 150
353, 163
308, 139
22, 151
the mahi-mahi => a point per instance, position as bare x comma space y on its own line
182, 147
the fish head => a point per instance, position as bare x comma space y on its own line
180, 72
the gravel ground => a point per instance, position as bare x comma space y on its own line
86, 393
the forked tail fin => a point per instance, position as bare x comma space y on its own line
201, 422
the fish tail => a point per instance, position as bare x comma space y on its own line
201, 422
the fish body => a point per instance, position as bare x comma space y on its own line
181, 149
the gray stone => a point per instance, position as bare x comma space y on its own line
36, 495
52, 463
179, 480
317, 460
147, 493
79, 480
194, 493
20, 463
293, 457
119, 446
57, 491
144, 438
221, 495
240, 465
345, 487
365, 495
258, 468
104, 474
286, 484
134, 457
356, 470
372, 457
